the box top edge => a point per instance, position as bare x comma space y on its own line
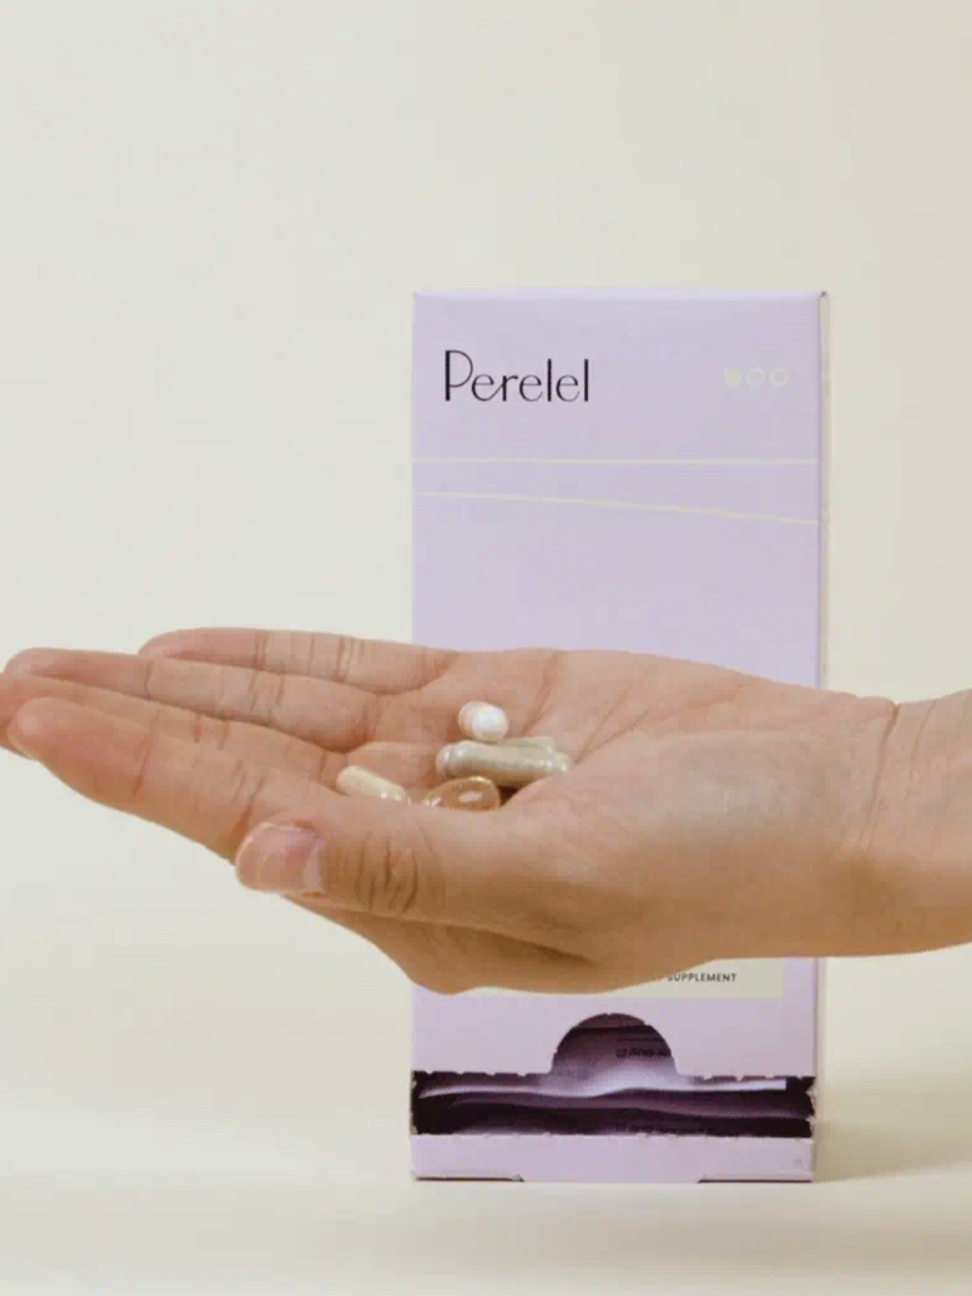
619, 294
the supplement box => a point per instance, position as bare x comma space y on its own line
635, 470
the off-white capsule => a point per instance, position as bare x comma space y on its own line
464, 794
507, 766
356, 781
549, 743
484, 722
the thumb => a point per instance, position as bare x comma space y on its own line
415, 863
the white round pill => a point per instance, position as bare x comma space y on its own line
484, 722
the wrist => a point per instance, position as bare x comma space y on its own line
905, 873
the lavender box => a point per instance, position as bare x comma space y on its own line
637, 470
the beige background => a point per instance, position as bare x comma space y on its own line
212, 215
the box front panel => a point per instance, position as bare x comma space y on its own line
638, 473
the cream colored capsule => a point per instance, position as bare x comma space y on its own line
484, 722
356, 781
550, 744
464, 794
508, 767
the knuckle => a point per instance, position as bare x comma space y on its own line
245, 796
219, 733
142, 758
348, 653
324, 763
264, 695
261, 650
151, 683
205, 731
386, 876
198, 728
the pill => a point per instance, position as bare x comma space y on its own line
484, 722
549, 743
355, 781
509, 767
464, 794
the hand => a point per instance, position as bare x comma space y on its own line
710, 815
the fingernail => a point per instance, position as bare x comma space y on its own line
30, 661
17, 745
164, 645
19, 733
283, 859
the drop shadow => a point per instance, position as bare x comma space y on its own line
352, 1234
357, 1230
913, 1124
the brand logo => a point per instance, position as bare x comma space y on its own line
550, 385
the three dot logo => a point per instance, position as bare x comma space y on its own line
756, 377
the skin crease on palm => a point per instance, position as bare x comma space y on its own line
710, 814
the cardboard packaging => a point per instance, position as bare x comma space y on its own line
636, 470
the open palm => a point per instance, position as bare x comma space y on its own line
701, 802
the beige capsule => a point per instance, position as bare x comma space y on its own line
539, 741
357, 781
464, 794
508, 767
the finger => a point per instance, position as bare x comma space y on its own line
522, 681
506, 871
329, 715
453, 960
409, 764
266, 746
370, 664
420, 864
208, 795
